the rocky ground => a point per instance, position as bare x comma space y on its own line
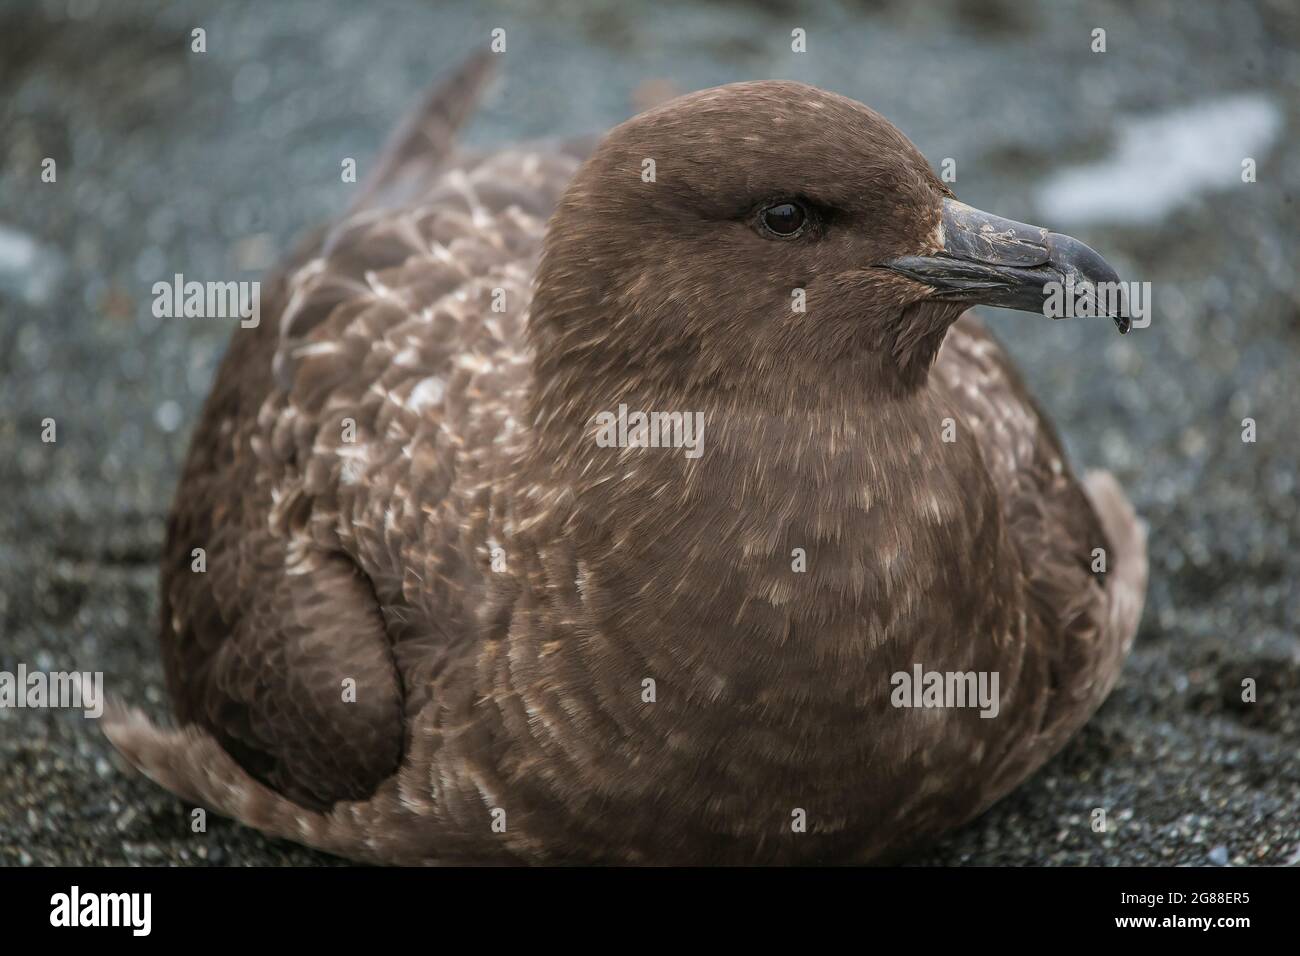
208, 164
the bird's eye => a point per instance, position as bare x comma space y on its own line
784, 220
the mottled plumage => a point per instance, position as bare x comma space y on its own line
500, 587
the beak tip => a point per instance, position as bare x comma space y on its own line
1071, 256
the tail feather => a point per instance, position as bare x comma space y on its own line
190, 763
425, 138
1127, 581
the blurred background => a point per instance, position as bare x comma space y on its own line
210, 164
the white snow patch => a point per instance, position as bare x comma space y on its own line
1163, 160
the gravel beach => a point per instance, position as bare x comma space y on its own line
210, 164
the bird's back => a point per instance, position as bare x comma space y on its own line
341, 481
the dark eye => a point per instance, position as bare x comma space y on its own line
784, 219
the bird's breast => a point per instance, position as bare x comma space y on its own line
718, 626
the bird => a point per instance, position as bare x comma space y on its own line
439, 621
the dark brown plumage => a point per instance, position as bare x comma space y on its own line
499, 587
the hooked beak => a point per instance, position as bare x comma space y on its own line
988, 260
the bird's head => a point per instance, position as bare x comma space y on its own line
774, 232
